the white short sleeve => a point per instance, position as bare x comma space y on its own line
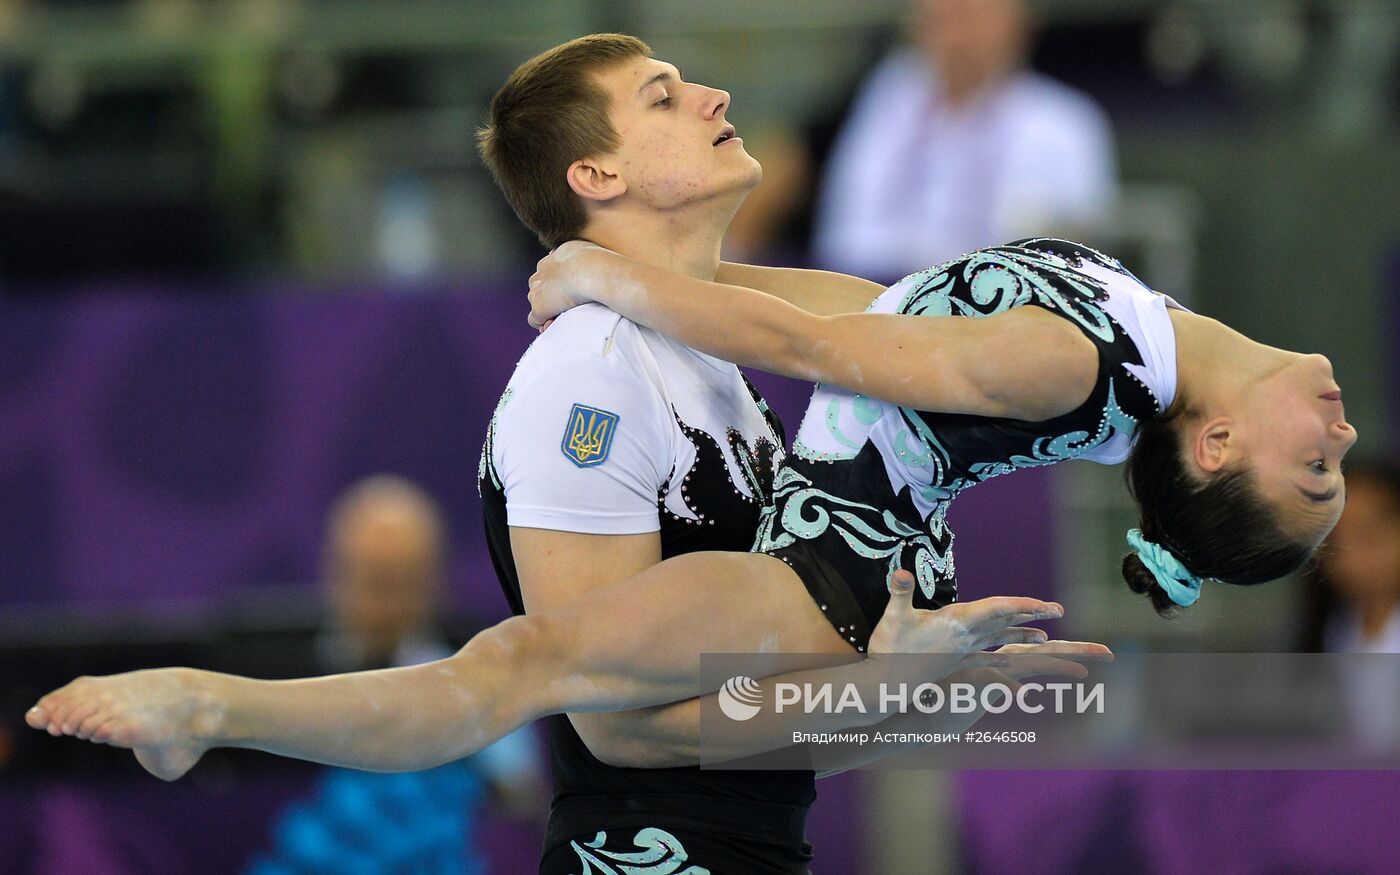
583, 442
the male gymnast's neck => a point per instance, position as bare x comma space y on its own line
684, 239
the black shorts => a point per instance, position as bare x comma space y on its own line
683, 834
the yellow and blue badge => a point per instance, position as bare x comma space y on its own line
588, 436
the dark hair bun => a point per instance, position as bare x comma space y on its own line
1142, 581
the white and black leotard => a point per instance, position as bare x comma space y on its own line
866, 489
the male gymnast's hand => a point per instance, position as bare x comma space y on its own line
575, 273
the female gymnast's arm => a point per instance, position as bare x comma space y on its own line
816, 291
1026, 364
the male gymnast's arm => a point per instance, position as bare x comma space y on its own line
556, 568
1026, 364
665, 736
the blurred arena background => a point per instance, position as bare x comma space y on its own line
248, 257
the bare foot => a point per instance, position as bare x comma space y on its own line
163, 715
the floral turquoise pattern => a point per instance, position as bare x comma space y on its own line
803, 511
659, 853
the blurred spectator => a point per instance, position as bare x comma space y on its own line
1354, 592
951, 145
1354, 595
383, 578
384, 581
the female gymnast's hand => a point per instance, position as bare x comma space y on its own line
575, 273
957, 628
951, 639
1010, 664
160, 714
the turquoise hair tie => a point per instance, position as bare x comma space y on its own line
1181, 585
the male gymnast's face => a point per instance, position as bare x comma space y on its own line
1293, 430
675, 147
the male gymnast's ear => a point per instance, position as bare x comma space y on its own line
596, 179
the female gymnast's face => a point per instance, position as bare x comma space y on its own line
675, 147
1295, 434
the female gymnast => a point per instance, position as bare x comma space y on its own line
1235, 463
1234, 448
